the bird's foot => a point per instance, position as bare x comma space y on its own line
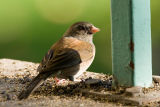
60, 81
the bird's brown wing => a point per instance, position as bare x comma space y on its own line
65, 58
59, 59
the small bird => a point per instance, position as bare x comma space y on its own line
68, 58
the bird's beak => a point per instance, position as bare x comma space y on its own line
94, 29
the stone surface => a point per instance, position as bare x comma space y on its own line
133, 91
15, 74
94, 91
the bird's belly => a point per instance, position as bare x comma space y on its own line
83, 67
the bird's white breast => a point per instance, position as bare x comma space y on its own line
85, 65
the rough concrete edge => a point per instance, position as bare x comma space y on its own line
138, 100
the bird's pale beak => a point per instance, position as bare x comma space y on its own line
94, 29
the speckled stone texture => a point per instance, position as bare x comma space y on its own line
15, 74
94, 90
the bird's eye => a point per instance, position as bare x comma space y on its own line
81, 28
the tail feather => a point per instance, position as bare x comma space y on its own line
34, 84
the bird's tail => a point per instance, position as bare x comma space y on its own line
34, 84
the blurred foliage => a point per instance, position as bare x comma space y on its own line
28, 28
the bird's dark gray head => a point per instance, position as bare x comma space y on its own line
81, 30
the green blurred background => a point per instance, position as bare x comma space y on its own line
28, 28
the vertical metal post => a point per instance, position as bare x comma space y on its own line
131, 43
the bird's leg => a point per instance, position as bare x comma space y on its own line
72, 78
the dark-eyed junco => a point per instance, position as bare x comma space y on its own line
68, 58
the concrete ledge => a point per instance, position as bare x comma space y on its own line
15, 74
94, 92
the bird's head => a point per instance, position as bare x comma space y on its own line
81, 30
